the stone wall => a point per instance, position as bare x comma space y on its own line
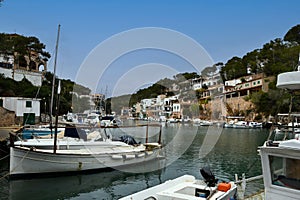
239, 104
7, 117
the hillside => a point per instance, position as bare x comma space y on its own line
277, 56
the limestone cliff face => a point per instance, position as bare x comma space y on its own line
219, 108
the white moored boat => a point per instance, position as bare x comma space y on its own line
29, 161
187, 187
37, 156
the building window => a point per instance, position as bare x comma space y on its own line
1, 102
254, 83
285, 172
258, 82
247, 85
28, 104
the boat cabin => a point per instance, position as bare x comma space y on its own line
281, 169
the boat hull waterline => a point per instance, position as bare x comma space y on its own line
25, 161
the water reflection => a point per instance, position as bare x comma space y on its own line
76, 186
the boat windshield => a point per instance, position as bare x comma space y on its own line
285, 172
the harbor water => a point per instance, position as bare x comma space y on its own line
187, 148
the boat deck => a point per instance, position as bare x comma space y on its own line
87, 151
257, 196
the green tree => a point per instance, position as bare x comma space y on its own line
293, 35
185, 76
271, 103
208, 70
20, 46
234, 68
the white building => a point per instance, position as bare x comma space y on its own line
159, 108
34, 74
36, 78
27, 110
147, 103
211, 85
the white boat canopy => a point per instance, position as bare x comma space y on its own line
289, 80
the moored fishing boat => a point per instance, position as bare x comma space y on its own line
29, 161
82, 153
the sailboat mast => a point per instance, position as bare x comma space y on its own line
54, 74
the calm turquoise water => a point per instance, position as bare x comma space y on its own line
235, 152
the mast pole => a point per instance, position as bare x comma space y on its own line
56, 118
53, 80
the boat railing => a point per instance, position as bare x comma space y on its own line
82, 131
288, 132
242, 184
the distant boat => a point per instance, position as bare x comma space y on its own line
255, 125
240, 124
205, 123
172, 120
196, 121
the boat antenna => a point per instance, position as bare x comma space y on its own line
54, 77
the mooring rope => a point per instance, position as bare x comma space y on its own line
4, 157
6, 175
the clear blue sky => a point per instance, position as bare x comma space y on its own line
224, 28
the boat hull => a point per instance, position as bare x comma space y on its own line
185, 187
25, 161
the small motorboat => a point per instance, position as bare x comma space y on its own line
187, 187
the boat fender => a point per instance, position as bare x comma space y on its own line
32, 149
224, 187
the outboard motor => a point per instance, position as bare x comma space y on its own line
208, 176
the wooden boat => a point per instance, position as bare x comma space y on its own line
81, 152
31, 161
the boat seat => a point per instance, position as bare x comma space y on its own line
288, 182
